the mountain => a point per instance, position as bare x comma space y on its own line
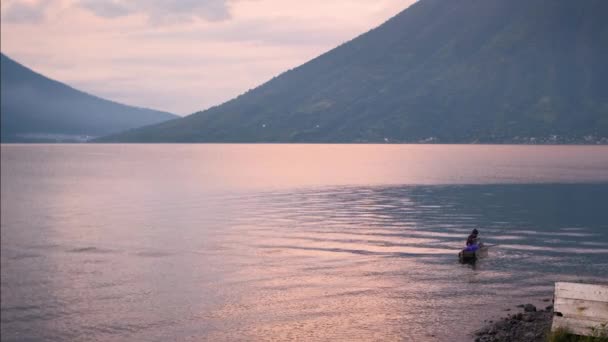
36, 108
453, 71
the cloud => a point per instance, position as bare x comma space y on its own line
278, 31
21, 11
161, 11
107, 9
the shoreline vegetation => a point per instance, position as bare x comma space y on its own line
531, 325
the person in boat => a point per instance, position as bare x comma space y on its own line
473, 238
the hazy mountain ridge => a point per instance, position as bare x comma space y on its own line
36, 108
441, 71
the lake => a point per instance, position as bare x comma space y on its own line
284, 242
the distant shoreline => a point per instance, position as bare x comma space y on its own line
92, 142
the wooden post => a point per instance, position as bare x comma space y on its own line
580, 308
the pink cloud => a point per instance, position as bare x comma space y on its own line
161, 10
19, 11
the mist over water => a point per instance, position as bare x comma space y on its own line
260, 242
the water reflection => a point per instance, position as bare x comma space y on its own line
335, 262
116, 249
398, 245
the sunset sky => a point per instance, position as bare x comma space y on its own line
180, 56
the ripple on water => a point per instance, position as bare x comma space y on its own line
370, 263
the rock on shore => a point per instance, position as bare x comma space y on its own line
531, 325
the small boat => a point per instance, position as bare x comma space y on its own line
473, 252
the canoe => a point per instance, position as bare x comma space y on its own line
470, 254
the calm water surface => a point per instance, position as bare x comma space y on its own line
280, 242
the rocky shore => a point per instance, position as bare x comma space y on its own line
529, 325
